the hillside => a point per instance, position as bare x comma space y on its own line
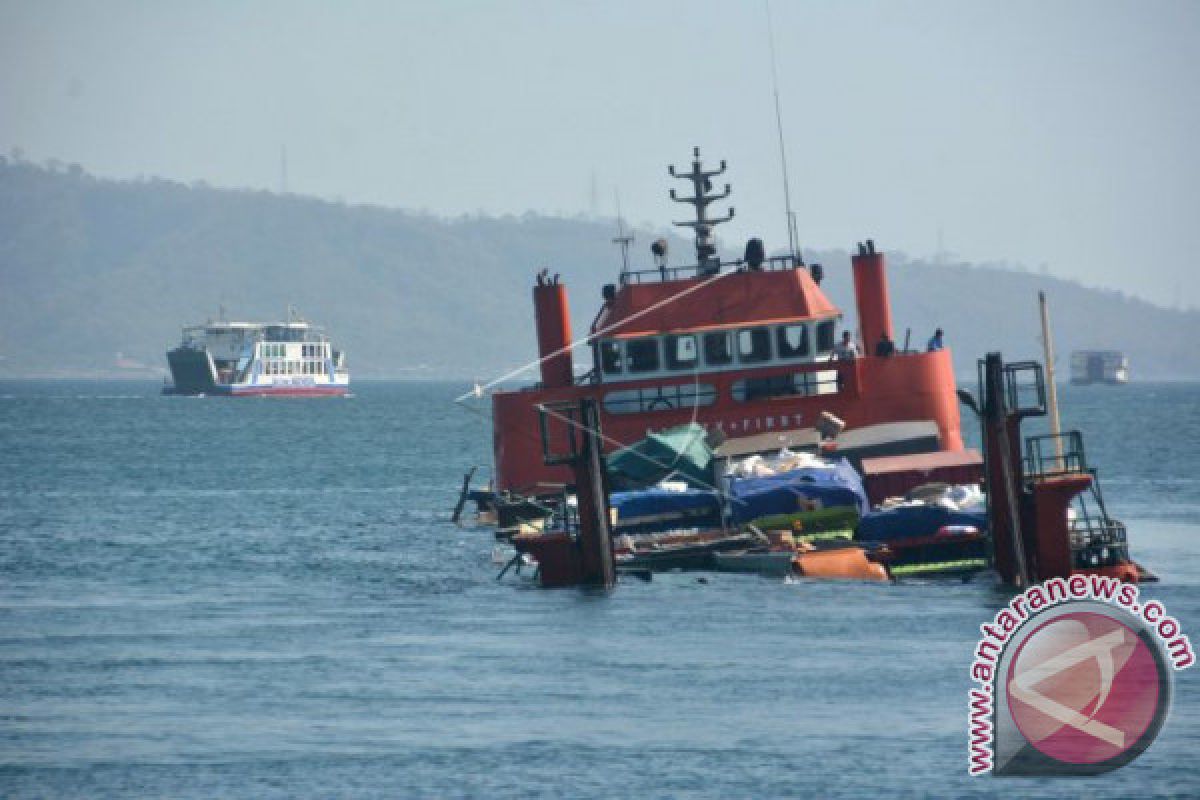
99, 276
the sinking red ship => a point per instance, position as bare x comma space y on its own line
745, 348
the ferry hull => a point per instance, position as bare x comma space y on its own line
284, 391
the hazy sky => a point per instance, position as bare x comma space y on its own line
1056, 133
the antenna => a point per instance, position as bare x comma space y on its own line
787, 193
702, 226
622, 238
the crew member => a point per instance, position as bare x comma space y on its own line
885, 347
846, 349
935, 342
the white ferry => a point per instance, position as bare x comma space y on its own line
240, 359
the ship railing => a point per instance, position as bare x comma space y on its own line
663, 274
1098, 541
1053, 455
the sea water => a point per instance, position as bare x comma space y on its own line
205, 597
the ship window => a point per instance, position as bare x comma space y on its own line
754, 345
645, 399
802, 384
610, 357
792, 341
642, 354
717, 350
681, 352
825, 336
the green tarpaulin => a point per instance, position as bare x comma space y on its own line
682, 453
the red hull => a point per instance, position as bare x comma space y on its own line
297, 391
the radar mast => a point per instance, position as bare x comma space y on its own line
708, 262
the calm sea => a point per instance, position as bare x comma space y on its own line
208, 598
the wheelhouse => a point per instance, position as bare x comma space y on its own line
638, 357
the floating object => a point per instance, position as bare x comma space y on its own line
764, 562
687, 555
844, 563
940, 569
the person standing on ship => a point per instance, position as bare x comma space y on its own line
846, 349
935, 342
885, 346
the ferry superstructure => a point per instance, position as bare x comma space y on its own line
242, 359
745, 348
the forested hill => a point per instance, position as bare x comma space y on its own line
98, 277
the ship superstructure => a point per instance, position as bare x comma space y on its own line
745, 348
292, 358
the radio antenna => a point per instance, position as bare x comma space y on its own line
787, 194
623, 238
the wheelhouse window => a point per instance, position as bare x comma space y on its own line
825, 336
717, 349
610, 357
681, 351
642, 354
754, 345
791, 341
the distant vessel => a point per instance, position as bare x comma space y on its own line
1099, 366
240, 359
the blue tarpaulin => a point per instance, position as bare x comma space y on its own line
907, 522
652, 510
798, 490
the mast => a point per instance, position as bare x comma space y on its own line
707, 260
623, 239
1052, 398
787, 193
